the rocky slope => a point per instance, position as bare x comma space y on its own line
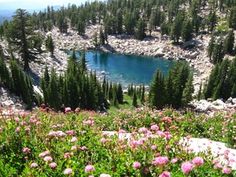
157, 46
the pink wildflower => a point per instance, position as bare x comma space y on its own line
26, 150
154, 127
153, 147
67, 155
198, 161
68, 171
162, 160
104, 175
226, 170
83, 148
165, 174
136, 165
89, 168
47, 159
73, 139
174, 160
17, 129
187, 167
33, 165
103, 140
143, 130
53, 165
67, 109
43, 154
74, 148
70, 132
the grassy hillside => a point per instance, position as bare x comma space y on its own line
125, 142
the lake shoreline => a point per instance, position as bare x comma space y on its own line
156, 46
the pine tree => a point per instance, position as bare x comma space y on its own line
210, 47
199, 95
19, 31
50, 45
229, 42
53, 91
83, 61
232, 18
119, 94
157, 91
218, 52
134, 102
140, 30
101, 37
142, 99
95, 40
176, 28
21, 83
81, 27
5, 79
188, 91
187, 31
212, 19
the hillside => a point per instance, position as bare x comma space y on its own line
128, 142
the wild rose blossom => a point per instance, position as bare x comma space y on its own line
136, 165
187, 167
68, 171
89, 168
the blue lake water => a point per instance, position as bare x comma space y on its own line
126, 69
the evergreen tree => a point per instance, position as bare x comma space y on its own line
81, 27
50, 45
18, 34
188, 91
5, 79
135, 102
187, 30
212, 19
21, 83
232, 18
210, 47
157, 91
199, 95
83, 62
101, 37
142, 99
119, 94
176, 28
218, 52
229, 42
140, 30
